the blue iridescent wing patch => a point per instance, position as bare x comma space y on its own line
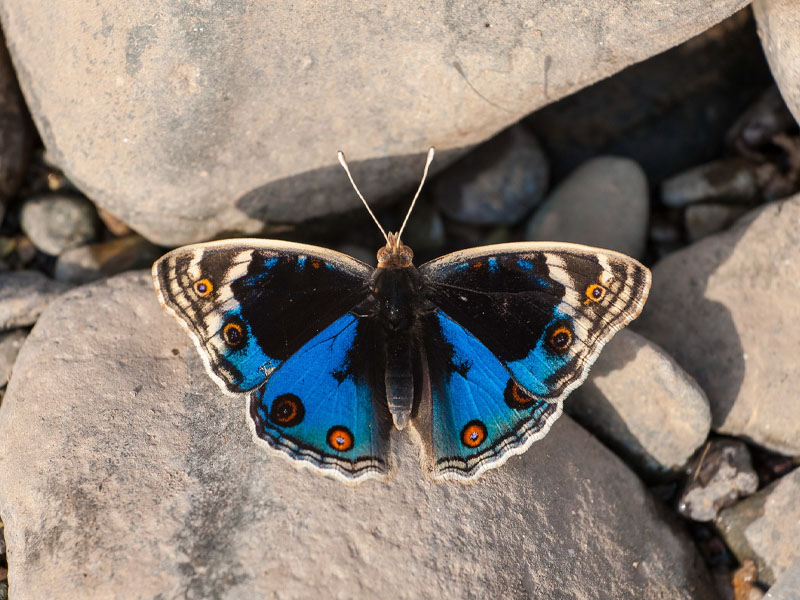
320, 406
250, 304
542, 311
480, 415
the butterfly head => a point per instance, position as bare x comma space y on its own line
395, 254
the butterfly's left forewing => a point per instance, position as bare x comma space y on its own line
537, 313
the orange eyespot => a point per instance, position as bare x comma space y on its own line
203, 287
287, 410
477, 265
515, 397
233, 334
316, 264
594, 293
340, 438
473, 434
561, 338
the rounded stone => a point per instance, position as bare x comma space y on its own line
103, 259
726, 308
216, 117
641, 403
603, 203
498, 183
55, 223
779, 28
157, 477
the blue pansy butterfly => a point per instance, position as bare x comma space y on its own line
477, 349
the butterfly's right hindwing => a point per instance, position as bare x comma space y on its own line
250, 304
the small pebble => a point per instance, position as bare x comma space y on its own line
603, 203
498, 183
720, 474
701, 220
727, 179
103, 259
24, 295
56, 222
10, 343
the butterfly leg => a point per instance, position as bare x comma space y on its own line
399, 378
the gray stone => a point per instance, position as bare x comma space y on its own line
57, 222
103, 259
718, 477
498, 183
603, 203
218, 117
702, 220
779, 28
728, 179
10, 343
24, 295
726, 309
640, 402
787, 584
765, 527
155, 476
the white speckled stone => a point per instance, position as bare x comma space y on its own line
126, 473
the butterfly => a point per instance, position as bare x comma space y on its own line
477, 349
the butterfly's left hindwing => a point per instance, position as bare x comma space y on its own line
535, 312
325, 405
250, 304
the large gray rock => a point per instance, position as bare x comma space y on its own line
23, 296
643, 404
765, 527
216, 117
10, 343
131, 454
603, 203
779, 28
726, 308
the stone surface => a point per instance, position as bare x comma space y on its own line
718, 476
787, 584
156, 478
726, 309
24, 295
779, 29
16, 133
55, 222
93, 261
765, 527
669, 113
642, 404
603, 203
496, 184
191, 137
727, 179
10, 343
701, 220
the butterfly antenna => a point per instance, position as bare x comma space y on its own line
419, 189
343, 162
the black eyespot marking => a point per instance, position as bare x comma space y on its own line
473, 434
340, 438
287, 410
234, 335
516, 398
560, 337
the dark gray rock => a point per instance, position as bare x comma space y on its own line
498, 183
640, 402
718, 477
24, 295
16, 133
10, 343
724, 309
702, 220
603, 203
55, 222
103, 259
765, 527
156, 477
210, 118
